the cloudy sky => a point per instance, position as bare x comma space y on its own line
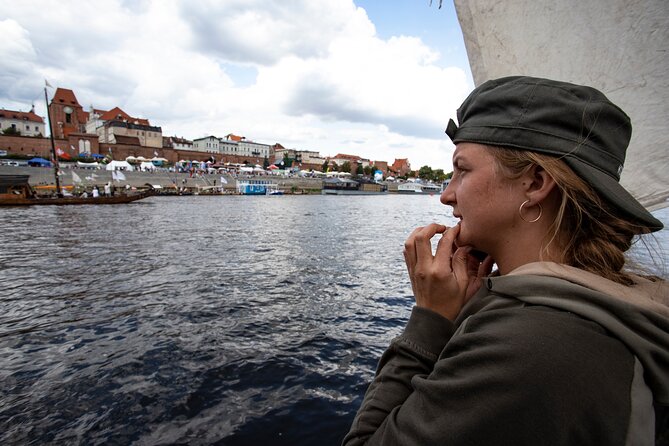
373, 78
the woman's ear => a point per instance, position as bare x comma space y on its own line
538, 184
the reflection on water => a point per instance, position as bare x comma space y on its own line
200, 320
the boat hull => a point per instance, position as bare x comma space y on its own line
64, 201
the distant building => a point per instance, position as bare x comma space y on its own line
24, 123
115, 122
240, 146
310, 157
381, 165
401, 167
353, 160
209, 144
281, 153
126, 140
176, 143
67, 115
228, 146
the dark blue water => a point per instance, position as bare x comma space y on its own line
199, 320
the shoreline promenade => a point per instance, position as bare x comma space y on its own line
43, 176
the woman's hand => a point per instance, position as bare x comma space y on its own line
445, 281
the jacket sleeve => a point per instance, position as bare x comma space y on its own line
521, 377
413, 353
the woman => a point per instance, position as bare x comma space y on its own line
560, 345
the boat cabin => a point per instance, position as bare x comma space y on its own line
15, 187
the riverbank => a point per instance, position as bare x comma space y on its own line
42, 176
168, 182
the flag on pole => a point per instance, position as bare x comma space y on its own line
76, 178
118, 175
47, 84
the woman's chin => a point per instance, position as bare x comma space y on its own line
462, 240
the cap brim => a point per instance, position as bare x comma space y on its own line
611, 191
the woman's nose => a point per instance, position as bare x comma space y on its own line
447, 197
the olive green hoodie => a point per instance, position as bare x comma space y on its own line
548, 354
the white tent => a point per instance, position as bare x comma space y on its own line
337, 174
88, 165
146, 165
119, 165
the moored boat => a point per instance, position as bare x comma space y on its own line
16, 191
257, 187
340, 186
418, 188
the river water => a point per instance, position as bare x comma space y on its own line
223, 320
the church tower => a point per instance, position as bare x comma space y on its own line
67, 115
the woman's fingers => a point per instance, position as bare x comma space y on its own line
445, 246
410, 250
423, 241
461, 266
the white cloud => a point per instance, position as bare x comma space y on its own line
325, 81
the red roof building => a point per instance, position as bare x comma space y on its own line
67, 115
401, 166
23, 123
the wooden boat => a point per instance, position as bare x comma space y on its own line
16, 191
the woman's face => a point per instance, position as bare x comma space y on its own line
485, 201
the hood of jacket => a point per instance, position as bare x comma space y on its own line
638, 315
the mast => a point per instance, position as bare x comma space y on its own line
53, 146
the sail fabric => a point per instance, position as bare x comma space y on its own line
612, 45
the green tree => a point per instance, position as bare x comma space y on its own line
265, 163
324, 168
438, 175
11, 131
367, 170
425, 173
359, 170
346, 167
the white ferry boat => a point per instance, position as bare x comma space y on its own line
418, 188
257, 187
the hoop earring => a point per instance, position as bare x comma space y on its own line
520, 212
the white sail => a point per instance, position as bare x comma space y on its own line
617, 46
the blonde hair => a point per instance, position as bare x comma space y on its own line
593, 236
